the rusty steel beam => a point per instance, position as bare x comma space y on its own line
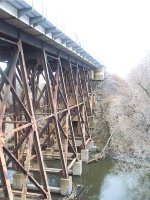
54, 111
34, 126
40, 98
26, 106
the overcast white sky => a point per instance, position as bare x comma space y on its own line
116, 32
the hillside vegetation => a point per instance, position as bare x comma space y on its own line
122, 111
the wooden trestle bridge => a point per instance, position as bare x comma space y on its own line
45, 107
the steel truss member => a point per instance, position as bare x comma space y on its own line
44, 104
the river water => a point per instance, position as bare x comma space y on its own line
101, 182
93, 178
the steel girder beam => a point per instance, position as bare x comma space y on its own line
57, 35
70, 44
31, 40
51, 30
66, 40
35, 21
23, 12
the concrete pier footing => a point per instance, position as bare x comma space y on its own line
49, 153
90, 144
66, 186
18, 179
49, 150
85, 155
90, 119
35, 164
77, 168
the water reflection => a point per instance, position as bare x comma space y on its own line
103, 184
118, 187
93, 177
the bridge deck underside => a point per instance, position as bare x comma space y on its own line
45, 102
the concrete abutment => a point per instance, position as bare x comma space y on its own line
85, 155
66, 186
18, 180
77, 168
